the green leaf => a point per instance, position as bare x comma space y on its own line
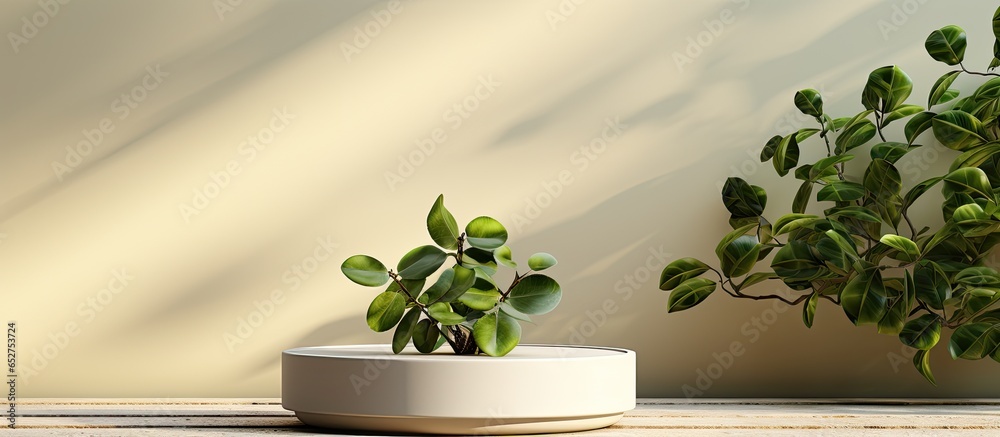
899, 309
476, 258
941, 87
887, 88
801, 199
922, 333
503, 256
795, 261
510, 311
535, 294
496, 334
365, 270
439, 288
404, 332
932, 285
420, 262
821, 166
969, 179
482, 296
907, 249
864, 297
809, 102
890, 151
741, 199
679, 271
857, 132
949, 95
901, 112
882, 179
442, 313
996, 28
756, 278
804, 134
918, 190
541, 261
442, 226
974, 341
790, 222
958, 130
690, 293
736, 233
947, 45
976, 156
462, 280
739, 256
854, 212
978, 277
841, 191
786, 156
425, 336
917, 124
922, 361
809, 310
768, 151
485, 233
385, 311
980, 299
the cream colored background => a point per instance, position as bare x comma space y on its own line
323, 176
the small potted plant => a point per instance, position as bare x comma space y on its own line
412, 386
862, 250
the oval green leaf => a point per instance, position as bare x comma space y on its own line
741, 199
365, 270
503, 256
385, 311
425, 336
535, 294
486, 233
690, 293
810, 102
541, 261
679, 271
740, 255
941, 87
958, 130
442, 225
886, 89
496, 334
975, 340
841, 191
922, 333
420, 262
947, 45
442, 313
404, 332
864, 297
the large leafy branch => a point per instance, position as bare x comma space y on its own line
855, 254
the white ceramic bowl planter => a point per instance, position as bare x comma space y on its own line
536, 389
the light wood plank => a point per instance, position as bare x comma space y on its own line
680, 417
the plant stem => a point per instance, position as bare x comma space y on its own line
517, 279
977, 73
738, 294
461, 248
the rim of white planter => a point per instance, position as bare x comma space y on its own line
533, 389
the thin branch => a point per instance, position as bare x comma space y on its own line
977, 73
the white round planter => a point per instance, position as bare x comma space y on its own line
534, 389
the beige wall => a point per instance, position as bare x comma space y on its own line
333, 114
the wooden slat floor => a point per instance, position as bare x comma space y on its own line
652, 417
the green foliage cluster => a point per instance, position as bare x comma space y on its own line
912, 285
463, 306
